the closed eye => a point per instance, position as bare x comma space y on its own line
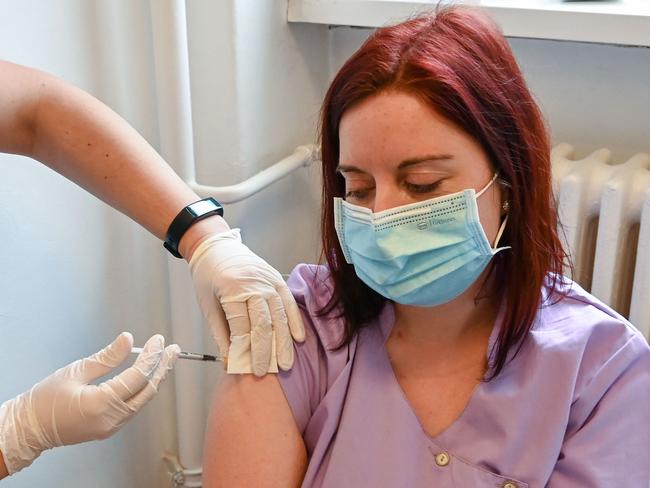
358, 194
415, 188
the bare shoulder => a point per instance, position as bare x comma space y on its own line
251, 437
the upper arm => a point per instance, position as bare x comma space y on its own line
19, 94
252, 438
609, 442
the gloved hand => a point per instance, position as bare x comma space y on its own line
238, 290
64, 409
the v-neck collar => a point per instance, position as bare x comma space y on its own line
441, 440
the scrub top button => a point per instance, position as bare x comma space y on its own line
442, 459
510, 484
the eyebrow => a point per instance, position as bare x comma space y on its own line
404, 164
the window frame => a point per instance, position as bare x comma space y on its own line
626, 22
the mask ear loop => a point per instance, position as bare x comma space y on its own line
488, 185
500, 233
505, 220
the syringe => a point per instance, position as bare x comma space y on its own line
186, 355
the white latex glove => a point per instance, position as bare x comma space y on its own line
64, 409
251, 312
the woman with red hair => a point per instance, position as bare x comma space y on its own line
444, 348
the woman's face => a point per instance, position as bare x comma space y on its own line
396, 150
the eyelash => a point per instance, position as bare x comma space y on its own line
422, 188
360, 194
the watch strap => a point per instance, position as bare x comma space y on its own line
187, 217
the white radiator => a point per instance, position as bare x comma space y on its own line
604, 210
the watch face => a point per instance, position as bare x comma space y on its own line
202, 207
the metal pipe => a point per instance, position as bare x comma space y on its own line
178, 474
301, 157
169, 31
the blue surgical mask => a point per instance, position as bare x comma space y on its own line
425, 253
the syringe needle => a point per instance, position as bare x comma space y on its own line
187, 355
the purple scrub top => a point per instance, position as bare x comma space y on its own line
572, 409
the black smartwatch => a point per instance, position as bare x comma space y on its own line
186, 218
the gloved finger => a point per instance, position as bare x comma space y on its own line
294, 316
261, 335
167, 361
217, 324
133, 379
236, 313
104, 361
283, 340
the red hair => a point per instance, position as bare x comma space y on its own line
456, 60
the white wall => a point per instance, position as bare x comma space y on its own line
257, 84
592, 95
73, 273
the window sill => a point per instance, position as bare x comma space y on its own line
625, 22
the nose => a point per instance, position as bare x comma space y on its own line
387, 196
